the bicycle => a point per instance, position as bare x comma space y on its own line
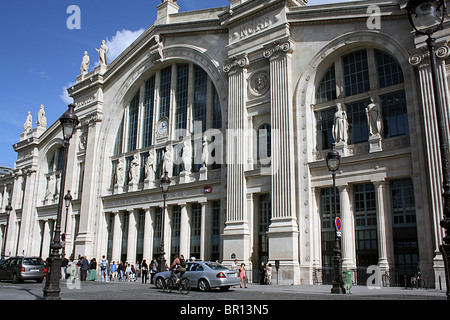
184, 285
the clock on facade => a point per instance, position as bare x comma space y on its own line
163, 126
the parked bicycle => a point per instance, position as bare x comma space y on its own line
184, 285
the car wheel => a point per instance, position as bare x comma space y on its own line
160, 283
15, 278
40, 280
203, 285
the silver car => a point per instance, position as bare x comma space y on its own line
205, 275
18, 269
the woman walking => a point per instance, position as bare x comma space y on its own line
242, 275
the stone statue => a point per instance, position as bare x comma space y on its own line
102, 54
85, 63
50, 187
42, 120
374, 118
167, 162
150, 166
186, 157
120, 173
205, 153
28, 123
340, 126
133, 174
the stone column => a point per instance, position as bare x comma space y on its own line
184, 231
117, 237
46, 240
348, 229
132, 236
236, 237
283, 230
148, 235
384, 226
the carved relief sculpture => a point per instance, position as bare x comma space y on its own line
85, 64
41, 120
28, 123
374, 119
102, 54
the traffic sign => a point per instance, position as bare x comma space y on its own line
338, 224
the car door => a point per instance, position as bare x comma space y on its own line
4, 268
194, 273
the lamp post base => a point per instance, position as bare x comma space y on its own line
51, 290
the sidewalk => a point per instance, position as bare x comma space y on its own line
356, 291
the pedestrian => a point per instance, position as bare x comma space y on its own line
120, 270
127, 271
262, 273
269, 274
153, 269
92, 270
104, 269
113, 270
144, 270
64, 264
234, 265
137, 270
242, 276
84, 268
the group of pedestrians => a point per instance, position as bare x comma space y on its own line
83, 269
265, 273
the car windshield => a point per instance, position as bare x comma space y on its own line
33, 261
216, 266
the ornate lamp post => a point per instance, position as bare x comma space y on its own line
67, 202
165, 182
8, 213
427, 17
69, 121
333, 162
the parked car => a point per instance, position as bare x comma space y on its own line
18, 269
205, 275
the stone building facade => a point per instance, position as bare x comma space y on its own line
240, 105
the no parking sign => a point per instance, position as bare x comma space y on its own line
338, 226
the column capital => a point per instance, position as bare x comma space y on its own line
420, 57
236, 61
285, 46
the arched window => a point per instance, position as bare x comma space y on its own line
352, 80
181, 93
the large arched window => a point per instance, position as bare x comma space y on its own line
181, 94
352, 80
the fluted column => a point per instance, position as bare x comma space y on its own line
236, 233
283, 231
420, 58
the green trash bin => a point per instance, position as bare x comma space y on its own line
348, 283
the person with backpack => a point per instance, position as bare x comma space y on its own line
104, 269
178, 267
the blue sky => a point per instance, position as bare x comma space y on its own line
40, 56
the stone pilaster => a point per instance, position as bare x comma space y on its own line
236, 234
283, 230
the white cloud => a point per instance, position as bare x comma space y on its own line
120, 41
65, 96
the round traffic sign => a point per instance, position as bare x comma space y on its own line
338, 224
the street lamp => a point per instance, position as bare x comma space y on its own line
69, 121
67, 202
8, 213
427, 17
333, 162
165, 182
